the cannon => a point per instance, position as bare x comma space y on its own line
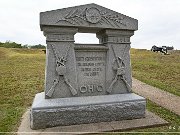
162, 49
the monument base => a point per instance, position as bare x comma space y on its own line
72, 111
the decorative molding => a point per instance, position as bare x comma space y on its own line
53, 37
93, 15
88, 47
115, 40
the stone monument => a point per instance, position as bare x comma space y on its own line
86, 83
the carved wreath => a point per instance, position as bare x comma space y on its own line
93, 15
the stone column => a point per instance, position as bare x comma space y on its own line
60, 43
119, 41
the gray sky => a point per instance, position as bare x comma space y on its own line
159, 20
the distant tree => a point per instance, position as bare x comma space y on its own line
25, 46
1, 44
9, 44
39, 46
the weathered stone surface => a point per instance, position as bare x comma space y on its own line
150, 120
89, 68
78, 110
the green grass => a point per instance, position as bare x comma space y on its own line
22, 76
172, 118
173, 127
161, 71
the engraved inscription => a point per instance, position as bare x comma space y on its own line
91, 72
91, 88
90, 66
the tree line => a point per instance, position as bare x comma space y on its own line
10, 44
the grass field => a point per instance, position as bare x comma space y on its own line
156, 69
22, 76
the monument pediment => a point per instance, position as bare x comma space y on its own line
88, 16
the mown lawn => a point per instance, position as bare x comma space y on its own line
156, 69
22, 76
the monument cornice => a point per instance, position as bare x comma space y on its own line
115, 33
59, 30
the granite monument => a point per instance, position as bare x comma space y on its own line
86, 83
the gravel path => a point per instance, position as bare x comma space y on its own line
160, 97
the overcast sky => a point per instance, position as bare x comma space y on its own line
159, 20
